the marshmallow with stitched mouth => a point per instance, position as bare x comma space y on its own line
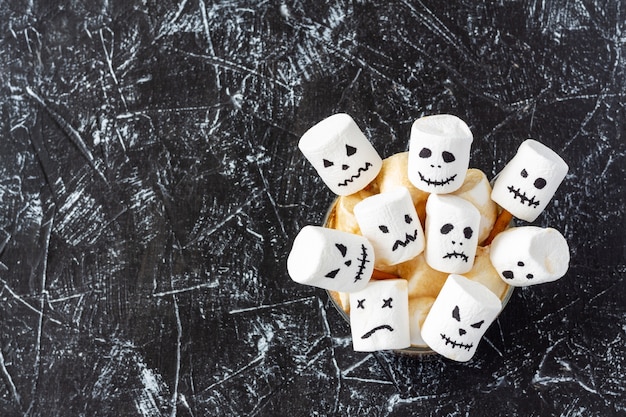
341, 154
379, 316
389, 221
459, 318
439, 152
331, 259
527, 183
451, 231
530, 255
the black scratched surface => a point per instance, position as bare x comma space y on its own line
150, 188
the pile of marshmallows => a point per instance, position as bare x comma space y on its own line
438, 160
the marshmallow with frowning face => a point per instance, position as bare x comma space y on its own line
451, 233
379, 316
530, 255
341, 154
331, 259
527, 183
439, 151
389, 221
459, 318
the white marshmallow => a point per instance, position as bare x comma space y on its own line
452, 225
331, 259
528, 182
439, 152
530, 255
379, 316
389, 221
341, 154
459, 318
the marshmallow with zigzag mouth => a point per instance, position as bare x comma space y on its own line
451, 231
527, 183
379, 316
331, 259
341, 154
529, 255
389, 221
459, 318
439, 152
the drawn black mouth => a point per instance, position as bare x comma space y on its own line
375, 329
363, 259
456, 254
456, 344
523, 198
436, 182
354, 177
409, 239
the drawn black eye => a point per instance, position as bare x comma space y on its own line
524, 174
468, 232
540, 183
446, 228
387, 302
328, 163
360, 304
425, 153
477, 325
332, 274
530, 276
383, 228
408, 219
448, 157
520, 263
350, 150
456, 314
342, 249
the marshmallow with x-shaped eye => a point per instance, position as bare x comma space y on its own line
379, 316
341, 154
439, 153
389, 221
528, 182
452, 225
331, 259
459, 318
529, 255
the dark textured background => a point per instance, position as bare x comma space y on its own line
150, 188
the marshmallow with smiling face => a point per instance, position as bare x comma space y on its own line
341, 154
439, 151
452, 225
331, 259
530, 255
379, 316
389, 221
459, 318
527, 183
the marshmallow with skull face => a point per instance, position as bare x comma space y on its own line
331, 259
459, 318
527, 183
341, 154
379, 316
389, 221
529, 255
451, 233
439, 152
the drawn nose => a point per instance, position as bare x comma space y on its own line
462, 332
344, 167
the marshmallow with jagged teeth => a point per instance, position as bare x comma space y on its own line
331, 259
451, 233
527, 183
530, 255
439, 152
459, 318
341, 154
389, 221
379, 316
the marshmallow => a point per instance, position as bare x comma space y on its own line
341, 154
379, 316
439, 152
477, 190
530, 255
389, 221
451, 233
527, 183
331, 259
459, 318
